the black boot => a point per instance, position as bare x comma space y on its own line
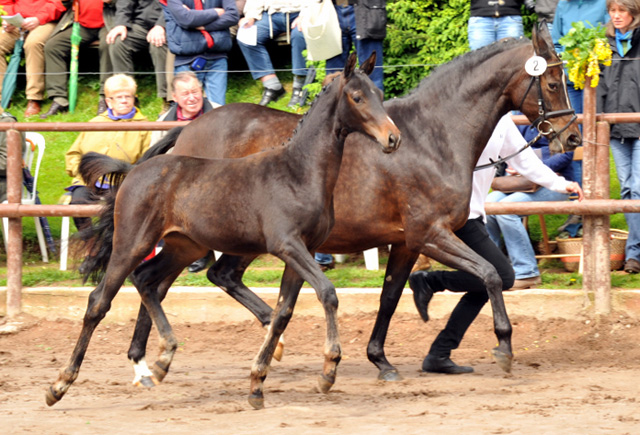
200, 264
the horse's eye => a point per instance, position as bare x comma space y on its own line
357, 98
553, 86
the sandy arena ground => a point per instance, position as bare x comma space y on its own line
570, 376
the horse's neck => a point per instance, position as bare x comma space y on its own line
317, 145
468, 110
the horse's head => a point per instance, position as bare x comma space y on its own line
541, 94
360, 107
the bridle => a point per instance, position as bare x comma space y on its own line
541, 123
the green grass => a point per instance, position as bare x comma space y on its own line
241, 88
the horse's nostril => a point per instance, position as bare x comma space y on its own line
574, 140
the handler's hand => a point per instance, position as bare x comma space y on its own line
30, 23
574, 187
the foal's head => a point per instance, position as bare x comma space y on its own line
541, 93
360, 105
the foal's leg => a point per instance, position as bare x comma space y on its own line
289, 291
170, 262
401, 260
449, 250
98, 306
227, 274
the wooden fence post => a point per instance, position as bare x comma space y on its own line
14, 236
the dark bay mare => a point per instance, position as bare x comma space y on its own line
414, 199
277, 202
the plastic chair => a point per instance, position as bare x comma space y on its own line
35, 151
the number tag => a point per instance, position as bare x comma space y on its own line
535, 66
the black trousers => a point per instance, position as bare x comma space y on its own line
474, 234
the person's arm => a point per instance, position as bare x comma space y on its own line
190, 18
124, 12
558, 162
228, 18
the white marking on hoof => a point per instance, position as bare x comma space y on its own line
141, 369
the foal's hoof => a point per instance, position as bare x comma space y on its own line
325, 383
159, 372
257, 401
390, 375
277, 354
147, 381
51, 397
503, 359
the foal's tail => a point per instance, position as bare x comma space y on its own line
96, 241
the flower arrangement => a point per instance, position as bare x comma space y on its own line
585, 48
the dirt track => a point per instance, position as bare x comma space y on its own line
570, 376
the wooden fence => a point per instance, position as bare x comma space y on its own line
596, 208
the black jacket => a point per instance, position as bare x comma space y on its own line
146, 13
371, 18
619, 87
494, 8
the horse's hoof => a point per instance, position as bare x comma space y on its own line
51, 397
257, 401
159, 372
325, 384
389, 376
147, 381
503, 359
277, 354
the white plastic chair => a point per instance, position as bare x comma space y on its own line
35, 151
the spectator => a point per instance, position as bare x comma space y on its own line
515, 235
364, 25
619, 91
120, 91
590, 12
57, 51
39, 21
139, 25
493, 20
190, 103
5, 117
184, 20
505, 140
272, 18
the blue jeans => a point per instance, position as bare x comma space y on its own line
213, 78
257, 56
364, 47
485, 30
626, 154
323, 258
516, 238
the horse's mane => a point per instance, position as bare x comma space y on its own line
311, 107
462, 64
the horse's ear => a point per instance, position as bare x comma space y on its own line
350, 66
369, 64
542, 42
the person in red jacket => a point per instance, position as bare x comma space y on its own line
57, 51
40, 17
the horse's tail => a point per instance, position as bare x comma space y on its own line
163, 145
95, 167
97, 241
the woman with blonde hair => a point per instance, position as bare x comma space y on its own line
619, 91
120, 92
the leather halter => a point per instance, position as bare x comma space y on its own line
541, 121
